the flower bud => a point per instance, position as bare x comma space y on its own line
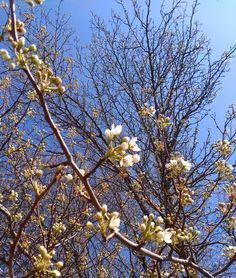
99, 215
136, 158
12, 66
126, 139
32, 47
6, 57
69, 177
59, 264
104, 208
124, 146
142, 227
61, 89
89, 225
56, 80
21, 43
3, 51
151, 216
159, 220
55, 273
145, 219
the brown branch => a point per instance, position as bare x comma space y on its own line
224, 268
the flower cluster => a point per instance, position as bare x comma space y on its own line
13, 196
184, 193
58, 227
106, 221
20, 26
146, 111
25, 56
225, 169
159, 145
119, 153
151, 230
231, 191
224, 147
230, 251
163, 122
179, 236
177, 166
43, 262
48, 82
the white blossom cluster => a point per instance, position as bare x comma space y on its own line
119, 153
151, 230
225, 169
224, 147
177, 166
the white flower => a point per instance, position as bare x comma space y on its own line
68, 177
133, 145
186, 164
136, 158
114, 221
152, 110
164, 236
127, 161
115, 131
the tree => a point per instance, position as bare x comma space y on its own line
79, 197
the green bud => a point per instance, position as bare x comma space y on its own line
32, 47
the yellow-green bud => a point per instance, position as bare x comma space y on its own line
89, 225
61, 89
12, 66
142, 227
55, 273
21, 43
32, 47
6, 57
56, 80
99, 216
151, 216
59, 264
104, 208
30, 2
145, 219
3, 51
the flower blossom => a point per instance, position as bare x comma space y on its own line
129, 160
164, 236
114, 221
178, 165
115, 131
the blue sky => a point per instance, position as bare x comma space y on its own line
218, 23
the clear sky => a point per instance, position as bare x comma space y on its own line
218, 23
